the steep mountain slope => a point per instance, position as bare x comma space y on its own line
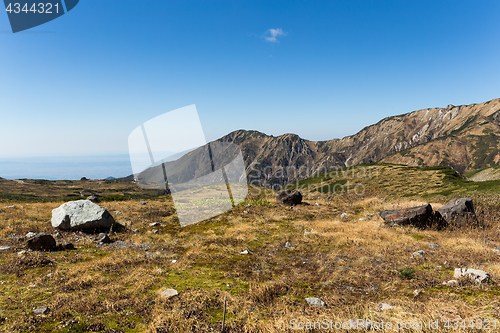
466, 137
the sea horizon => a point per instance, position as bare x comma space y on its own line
66, 167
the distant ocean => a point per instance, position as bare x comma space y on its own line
66, 168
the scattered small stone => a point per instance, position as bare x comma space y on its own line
174, 261
42, 310
58, 235
418, 254
4, 248
245, 211
168, 293
384, 306
7, 207
417, 292
308, 232
117, 212
244, 252
48, 275
352, 289
451, 283
434, 246
343, 215
361, 219
475, 275
66, 246
248, 206
151, 303
497, 250
446, 263
154, 224
154, 231
315, 301
94, 199
317, 204
135, 230
20, 253
104, 239
30, 234
143, 203
288, 245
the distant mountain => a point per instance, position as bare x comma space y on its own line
465, 137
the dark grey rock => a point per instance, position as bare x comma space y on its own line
420, 217
41, 242
143, 203
66, 246
289, 197
434, 246
458, 212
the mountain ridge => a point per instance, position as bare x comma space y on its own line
465, 137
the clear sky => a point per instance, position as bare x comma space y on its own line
80, 84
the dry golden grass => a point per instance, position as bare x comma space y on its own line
352, 265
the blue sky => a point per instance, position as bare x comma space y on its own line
80, 84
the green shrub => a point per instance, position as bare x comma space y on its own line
406, 273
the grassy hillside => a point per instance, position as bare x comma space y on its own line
352, 263
38, 190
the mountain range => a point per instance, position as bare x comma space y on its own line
464, 137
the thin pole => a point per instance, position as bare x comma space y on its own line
224, 315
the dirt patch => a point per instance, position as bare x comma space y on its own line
20, 264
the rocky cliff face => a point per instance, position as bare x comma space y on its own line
466, 137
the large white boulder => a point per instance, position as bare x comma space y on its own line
81, 214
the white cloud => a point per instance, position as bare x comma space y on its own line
272, 35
